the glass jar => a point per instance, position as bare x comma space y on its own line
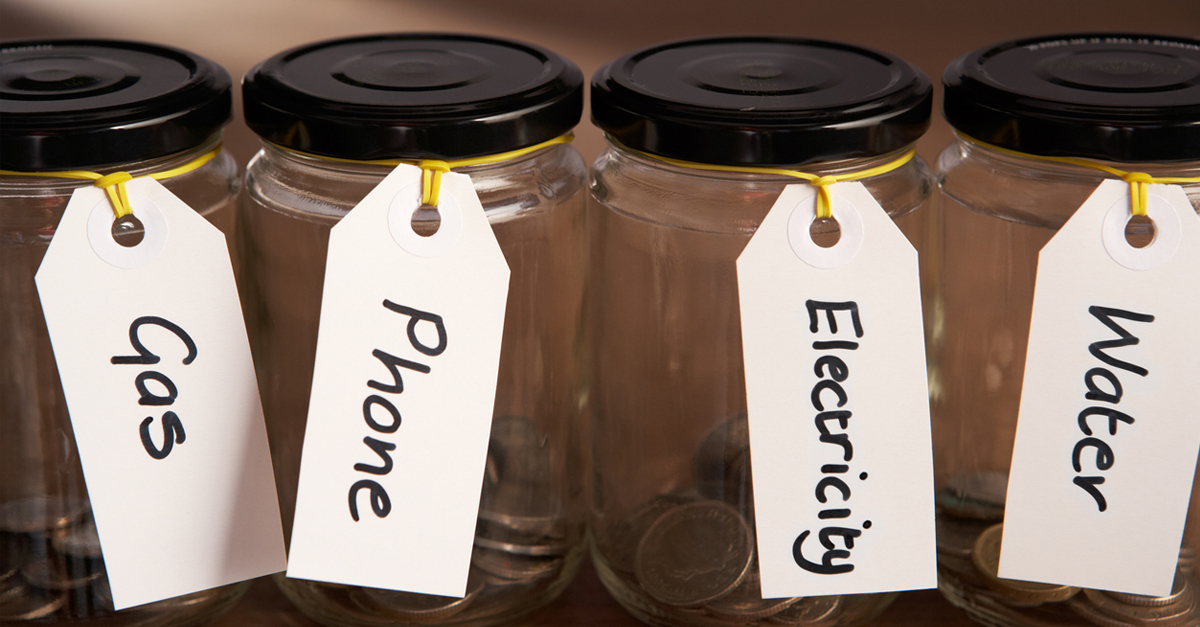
1116, 100
102, 106
668, 397
528, 541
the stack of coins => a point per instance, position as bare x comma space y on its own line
51, 569
523, 542
690, 552
970, 509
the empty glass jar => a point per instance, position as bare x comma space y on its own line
321, 110
673, 509
1128, 102
102, 106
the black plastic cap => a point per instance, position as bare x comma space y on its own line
761, 101
413, 95
1117, 97
88, 103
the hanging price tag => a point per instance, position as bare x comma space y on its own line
837, 400
152, 352
1107, 433
403, 391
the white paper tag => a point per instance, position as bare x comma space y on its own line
403, 392
152, 352
1107, 433
837, 401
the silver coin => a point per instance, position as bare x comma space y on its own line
1179, 590
978, 495
49, 575
721, 464
1182, 612
746, 601
412, 606
513, 567
618, 542
808, 611
956, 536
77, 541
40, 513
694, 553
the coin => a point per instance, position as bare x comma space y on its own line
694, 553
721, 464
957, 536
25, 602
808, 611
77, 541
1159, 615
417, 607
745, 601
512, 567
986, 557
48, 575
1178, 590
978, 495
619, 542
40, 513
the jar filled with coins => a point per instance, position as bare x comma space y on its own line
337, 117
1040, 124
73, 111
676, 197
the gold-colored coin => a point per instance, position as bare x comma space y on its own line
986, 557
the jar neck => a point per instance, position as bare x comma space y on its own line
820, 168
287, 158
1030, 166
135, 169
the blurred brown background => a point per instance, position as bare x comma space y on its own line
239, 33
929, 33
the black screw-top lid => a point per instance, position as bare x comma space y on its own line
87, 103
413, 95
761, 100
1117, 97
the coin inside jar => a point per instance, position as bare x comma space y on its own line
694, 553
746, 601
1179, 590
40, 513
808, 611
986, 557
77, 541
978, 495
415, 606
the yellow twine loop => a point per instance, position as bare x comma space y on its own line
433, 169
431, 179
822, 183
114, 184
1139, 191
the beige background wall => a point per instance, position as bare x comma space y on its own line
929, 33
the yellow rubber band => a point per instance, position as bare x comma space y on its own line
822, 183
432, 169
1139, 192
114, 184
